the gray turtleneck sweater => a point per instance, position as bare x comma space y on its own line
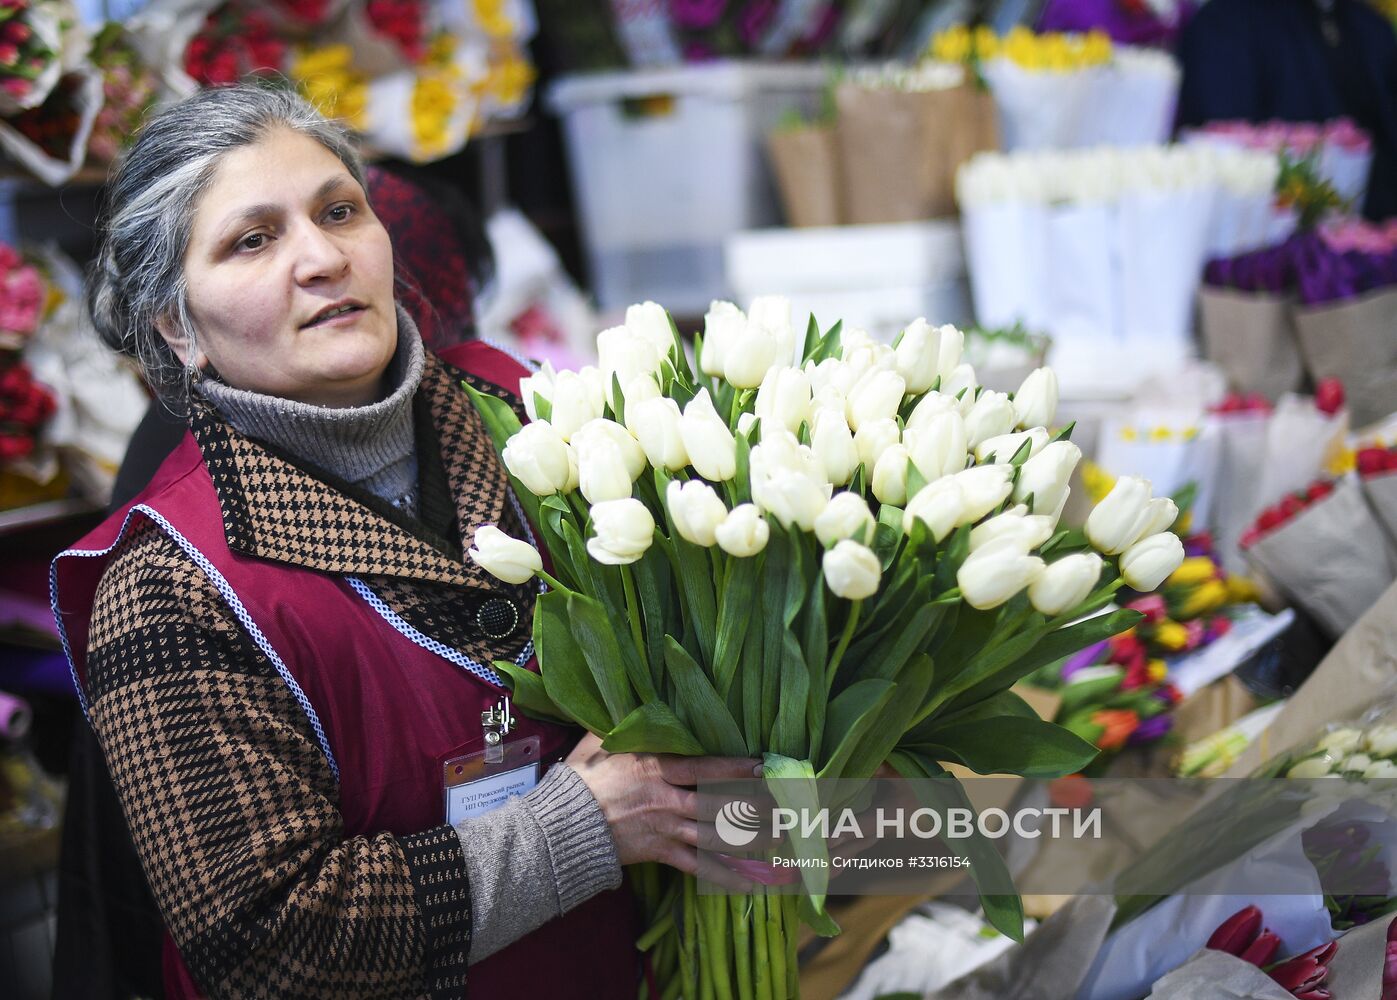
541, 854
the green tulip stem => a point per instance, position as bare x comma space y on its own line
849, 626
1007, 628
762, 985
633, 613
552, 582
776, 943
741, 913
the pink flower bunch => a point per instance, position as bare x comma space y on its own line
1296, 138
129, 87
22, 55
1353, 235
21, 294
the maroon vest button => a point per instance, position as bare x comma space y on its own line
497, 618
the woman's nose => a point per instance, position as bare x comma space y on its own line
318, 257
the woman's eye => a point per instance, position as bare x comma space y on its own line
341, 212
252, 241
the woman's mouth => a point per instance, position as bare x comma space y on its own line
335, 315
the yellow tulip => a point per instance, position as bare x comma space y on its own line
1197, 569
1171, 635
1209, 597
1157, 671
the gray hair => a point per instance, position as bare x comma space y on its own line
138, 275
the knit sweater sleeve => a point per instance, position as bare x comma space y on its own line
232, 807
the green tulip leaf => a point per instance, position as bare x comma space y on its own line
652, 728
528, 693
1009, 745
699, 706
792, 784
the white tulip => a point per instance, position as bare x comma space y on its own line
747, 359
1359, 762
711, 446
1005, 446
890, 476
1035, 404
1160, 515
540, 383
624, 530
602, 429
996, 573
745, 422
598, 385
1065, 583
919, 355
1148, 563
1028, 531
784, 398
854, 339
601, 472
873, 439
505, 558
829, 397
938, 505
933, 404
538, 457
770, 311
938, 446
780, 450
650, 320
833, 444
744, 532
845, 516
1313, 767
635, 392
852, 570
1381, 741
696, 510
1115, 523
626, 354
877, 396
990, 416
657, 423
952, 345
831, 373
723, 324
793, 498
962, 377
1045, 476
1342, 741
574, 404
984, 487
1380, 770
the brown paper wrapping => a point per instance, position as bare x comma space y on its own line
1355, 342
899, 150
1333, 559
806, 164
1344, 685
1219, 976
1381, 492
1252, 339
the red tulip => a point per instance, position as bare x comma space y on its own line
1262, 950
1305, 973
1329, 396
1319, 490
1291, 505
1270, 518
1236, 932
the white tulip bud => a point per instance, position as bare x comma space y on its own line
962, 377
831, 373
1045, 476
624, 530
931, 405
1160, 515
601, 472
1358, 763
1314, 767
744, 532
1148, 563
711, 446
1380, 770
938, 446
1065, 583
1005, 446
1035, 404
877, 396
505, 558
723, 324
657, 423
538, 457
540, 383
638, 391
1115, 523
772, 312
845, 516
745, 422
784, 398
830, 398
854, 339
919, 355
995, 573
1342, 741
696, 510
984, 488
852, 570
650, 320
598, 385
625, 353
874, 438
991, 415
747, 359
833, 444
1026, 531
890, 476
952, 345
1381, 741
602, 429
793, 498
938, 505
574, 404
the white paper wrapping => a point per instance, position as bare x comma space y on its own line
1081, 290
1006, 250
1163, 239
1041, 110
1381, 492
54, 170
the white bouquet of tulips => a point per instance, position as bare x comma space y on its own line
830, 554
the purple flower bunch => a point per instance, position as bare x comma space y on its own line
1314, 266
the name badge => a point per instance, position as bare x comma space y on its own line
476, 783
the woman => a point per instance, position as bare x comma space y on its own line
279, 643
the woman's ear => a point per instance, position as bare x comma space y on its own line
180, 344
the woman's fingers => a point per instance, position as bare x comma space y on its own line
692, 770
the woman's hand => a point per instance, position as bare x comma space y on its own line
652, 807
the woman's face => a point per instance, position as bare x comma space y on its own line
290, 276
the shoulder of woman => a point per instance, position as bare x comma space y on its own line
487, 361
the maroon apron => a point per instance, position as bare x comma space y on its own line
389, 705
